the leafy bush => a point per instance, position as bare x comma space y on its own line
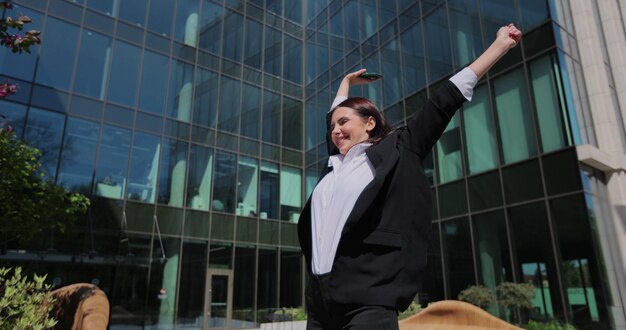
289, 314
477, 295
552, 325
24, 304
414, 308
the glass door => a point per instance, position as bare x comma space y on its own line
219, 298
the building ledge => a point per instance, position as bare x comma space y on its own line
599, 159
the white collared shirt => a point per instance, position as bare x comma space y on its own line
335, 195
333, 200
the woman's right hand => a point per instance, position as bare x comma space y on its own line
355, 78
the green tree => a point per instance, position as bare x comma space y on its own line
516, 297
29, 204
24, 304
478, 295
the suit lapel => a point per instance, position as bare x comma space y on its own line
383, 157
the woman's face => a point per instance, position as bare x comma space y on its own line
347, 128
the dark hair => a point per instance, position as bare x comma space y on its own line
364, 108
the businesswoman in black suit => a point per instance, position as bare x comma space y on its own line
364, 231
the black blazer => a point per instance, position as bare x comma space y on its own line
382, 249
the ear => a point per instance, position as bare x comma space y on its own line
370, 124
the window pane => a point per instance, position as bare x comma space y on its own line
522, 182
514, 118
44, 131
465, 31
230, 105
414, 67
480, 136
449, 154
181, 89
133, 11
439, 55
12, 115
534, 12
160, 19
273, 51
432, 286
271, 117
269, 191
581, 270
267, 285
143, 167
244, 286
248, 186
112, 166
452, 199
163, 275
104, 6
172, 173
57, 54
458, 258
211, 27
495, 13
292, 123
293, 59
78, 155
187, 19
254, 39
290, 278
492, 246
153, 82
199, 180
205, 98
251, 111
547, 104
22, 66
193, 267
233, 32
124, 73
484, 191
290, 193
93, 64
392, 88
225, 182
533, 252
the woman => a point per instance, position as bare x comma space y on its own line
364, 231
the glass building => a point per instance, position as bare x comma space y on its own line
197, 129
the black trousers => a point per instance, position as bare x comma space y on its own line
326, 314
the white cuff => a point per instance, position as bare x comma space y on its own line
337, 101
465, 80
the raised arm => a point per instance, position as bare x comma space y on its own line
507, 37
351, 79
427, 125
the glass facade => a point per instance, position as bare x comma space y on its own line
197, 128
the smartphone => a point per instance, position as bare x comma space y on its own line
371, 75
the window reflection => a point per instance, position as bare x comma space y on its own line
230, 105
154, 79
480, 135
449, 154
546, 99
269, 191
181, 90
187, 20
290, 193
438, 52
78, 155
112, 164
44, 131
143, 169
55, 62
292, 123
465, 30
224, 182
271, 117
516, 127
251, 111
205, 98
293, 59
160, 16
458, 258
172, 173
414, 67
273, 51
233, 32
199, 180
22, 66
193, 268
247, 186
93, 64
244, 285
392, 88
253, 36
133, 11
211, 27
124, 73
